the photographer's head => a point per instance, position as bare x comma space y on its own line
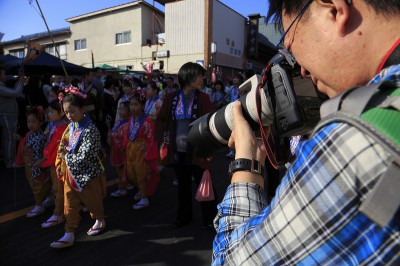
338, 43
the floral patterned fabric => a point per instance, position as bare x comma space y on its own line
83, 163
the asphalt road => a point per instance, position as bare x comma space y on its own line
144, 237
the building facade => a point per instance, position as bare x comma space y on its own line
136, 35
119, 36
196, 31
61, 37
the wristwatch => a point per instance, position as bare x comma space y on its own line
248, 165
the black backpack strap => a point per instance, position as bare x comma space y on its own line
355, 100
383, 201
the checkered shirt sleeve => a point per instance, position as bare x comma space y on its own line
314, 218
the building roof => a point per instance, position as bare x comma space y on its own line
268, 34
38, 35
110, 9
163, 2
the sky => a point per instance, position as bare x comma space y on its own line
22, 17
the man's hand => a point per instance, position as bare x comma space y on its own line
243, 139
246, 145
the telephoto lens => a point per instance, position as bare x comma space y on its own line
211, 132
290, 112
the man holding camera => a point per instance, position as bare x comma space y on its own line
316, 217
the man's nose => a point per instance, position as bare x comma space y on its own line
305, 73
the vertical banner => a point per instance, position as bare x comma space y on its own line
252, 37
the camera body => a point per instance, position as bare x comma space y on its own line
271, 99
295, 114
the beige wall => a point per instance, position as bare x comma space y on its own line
185, 31
100, 31
229, 34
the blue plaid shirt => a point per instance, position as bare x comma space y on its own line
314, 218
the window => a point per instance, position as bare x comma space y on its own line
61, 47
123, 37
20, 53
80, 44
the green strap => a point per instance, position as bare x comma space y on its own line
386, 117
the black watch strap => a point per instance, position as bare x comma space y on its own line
248, 165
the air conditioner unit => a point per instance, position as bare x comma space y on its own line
160, 38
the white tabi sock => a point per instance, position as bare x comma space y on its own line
99, 224
68, 237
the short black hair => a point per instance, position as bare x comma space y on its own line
75, 82
153, 86
37, 111
88, 71
108, 84
126, 83
56, 89
239, 77
56, 106
188, 72
125, 104
276, 7
140, 98
74, 100
219, 82
169, 78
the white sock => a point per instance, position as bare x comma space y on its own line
54, 218
68, 237
144, 200
38, 208
99, 223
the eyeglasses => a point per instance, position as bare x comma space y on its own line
301, 12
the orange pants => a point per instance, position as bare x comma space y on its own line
91, 197
58, 190
122, 182
40, 185
136, 167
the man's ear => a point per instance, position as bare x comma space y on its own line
339, 12
342, 15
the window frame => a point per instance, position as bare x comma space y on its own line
18, 51
123, 37
80, 43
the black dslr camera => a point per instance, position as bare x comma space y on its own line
279, 97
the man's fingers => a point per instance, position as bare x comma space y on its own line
231, 141
237, 113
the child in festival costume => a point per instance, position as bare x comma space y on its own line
128, 92
218, 98
57, 126
116, 135
141, 149
79, 165
30, 154
153, 103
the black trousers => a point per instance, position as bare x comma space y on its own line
184, 174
